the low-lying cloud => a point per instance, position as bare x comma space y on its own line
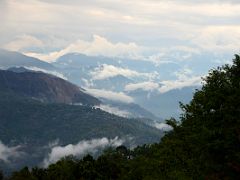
179, 84
7, 153
145, 86
165, 86
162, 126
114, 110
80, 149
107, 71
110, 95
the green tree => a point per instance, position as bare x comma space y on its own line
23, 174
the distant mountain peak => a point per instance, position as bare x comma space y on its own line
11, 58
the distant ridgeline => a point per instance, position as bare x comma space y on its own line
204, 145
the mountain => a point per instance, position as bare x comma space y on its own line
37, 109
115, 74
44, 87
10, 59
131, 110
32, 126
166, 104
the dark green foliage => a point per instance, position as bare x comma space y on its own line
23, 174
1, 175
34, 125
23, 118
204, 145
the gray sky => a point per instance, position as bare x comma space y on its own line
127, 28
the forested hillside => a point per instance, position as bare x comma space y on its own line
44, 87
32, 125
205, 144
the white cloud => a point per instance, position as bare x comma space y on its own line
110, 95
55, 73
80, 149
114, 110
184, 78
179, 84
145, 86
7, 153
99, 46
106, 71
218, 39
137, 29
24, 41
162, 126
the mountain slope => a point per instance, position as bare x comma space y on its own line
9, 59
44, 87
115, 74
131, 110
34, 125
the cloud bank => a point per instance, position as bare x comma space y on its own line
57, 27
99, 46
80, 149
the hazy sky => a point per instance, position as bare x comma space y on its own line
121, 28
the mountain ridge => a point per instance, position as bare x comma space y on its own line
44, 87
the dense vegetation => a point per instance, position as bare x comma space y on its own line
30, 121
205, 144
33, 125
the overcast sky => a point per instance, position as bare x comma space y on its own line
134, 28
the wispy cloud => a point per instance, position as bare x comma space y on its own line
22, 42
99, 46
145, 86
107, 71
55, 73
165, 86
110, 95
80, 149
7, 153
162, 126
114, 110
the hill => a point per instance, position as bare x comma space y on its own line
44, 87
33, 125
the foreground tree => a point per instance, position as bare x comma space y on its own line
206, 142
